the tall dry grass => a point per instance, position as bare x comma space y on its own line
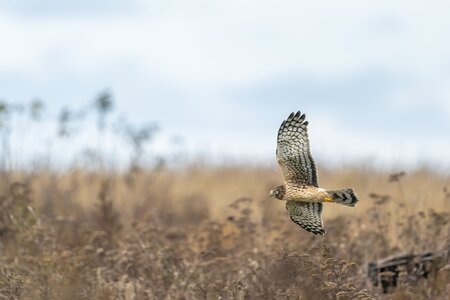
211, 233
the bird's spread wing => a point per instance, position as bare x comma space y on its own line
306, 214
293, 154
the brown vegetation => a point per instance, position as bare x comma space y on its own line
211, 233
195, 232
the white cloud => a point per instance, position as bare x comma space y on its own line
226, 43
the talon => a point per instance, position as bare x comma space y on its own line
328, 199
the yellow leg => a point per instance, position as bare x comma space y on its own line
328, 199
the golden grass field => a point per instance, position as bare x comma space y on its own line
204, 232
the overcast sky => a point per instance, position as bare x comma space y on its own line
372, 76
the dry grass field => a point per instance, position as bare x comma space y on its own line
212, 233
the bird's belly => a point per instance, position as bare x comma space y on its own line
305, 194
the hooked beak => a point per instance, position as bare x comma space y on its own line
271, 194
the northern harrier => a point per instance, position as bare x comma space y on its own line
301, 189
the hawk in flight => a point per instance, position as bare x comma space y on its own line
301, 189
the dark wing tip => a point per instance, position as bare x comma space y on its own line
320, 231
302, 117
297, 116
314, 229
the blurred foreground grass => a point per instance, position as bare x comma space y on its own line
211, 233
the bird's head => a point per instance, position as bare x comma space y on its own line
278, 192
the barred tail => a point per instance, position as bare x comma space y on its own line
346, 197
